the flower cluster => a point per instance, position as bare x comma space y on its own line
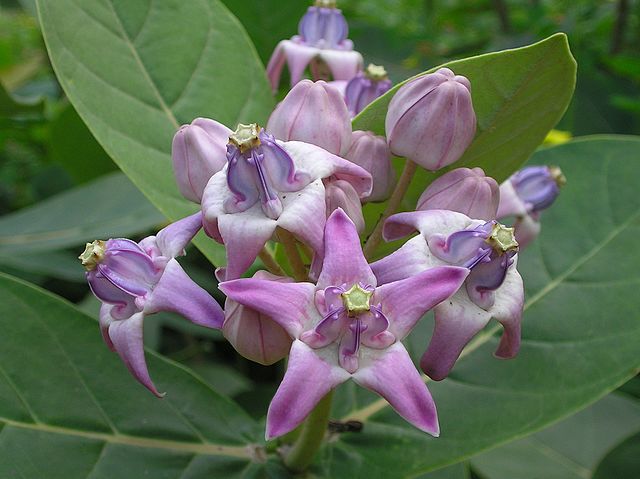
302, 181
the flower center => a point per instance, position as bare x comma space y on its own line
356, 300
92, 255
376, 72
502, 239
246, 137
558, 176
325, 3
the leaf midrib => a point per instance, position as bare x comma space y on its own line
208, 448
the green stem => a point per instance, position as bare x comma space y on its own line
270, 262
301, 454
291, 249
392, 206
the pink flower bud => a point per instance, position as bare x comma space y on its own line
464, 190
255, 335
431, 119
198, 152
372, 153
340, 194
313, 112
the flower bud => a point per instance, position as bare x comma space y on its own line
341, 194
372, 153
537, 187
198, 152
255, 335
464, 190
365, 87
430, 120
313, 112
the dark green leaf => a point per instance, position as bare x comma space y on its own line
104, 208
570, 449
69, 409
621, 463
135, 71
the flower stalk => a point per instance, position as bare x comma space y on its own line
270, 262
293, 255
303, 451
392, 207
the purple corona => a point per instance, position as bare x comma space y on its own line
365, 87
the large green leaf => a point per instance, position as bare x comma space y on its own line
69, 409
580, 338
623, 462
518, 96
135, 71
104, 208
570, 449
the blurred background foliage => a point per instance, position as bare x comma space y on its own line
53, 171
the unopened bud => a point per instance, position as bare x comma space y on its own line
372, 153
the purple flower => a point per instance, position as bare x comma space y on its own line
254, 335
340, 194
492, 289
365, 87
464, 190
268, 184
526, 194
321, 44
347, 326
198, 152
430, 119
137, 279
313, 112
372, 153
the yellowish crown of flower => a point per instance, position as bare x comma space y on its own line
376, 72
92, 254
356, 300
558, 176
502, 239
246, 137
326, 3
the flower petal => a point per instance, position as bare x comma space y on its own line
391, 374
308, 379
105, 321
173, 239
510, 203
344, 64
344, 262
298, 57
412, 258
426, 222
507, 309
291, 305
178, 293
276, 64
457, 321
404, 302
126, 336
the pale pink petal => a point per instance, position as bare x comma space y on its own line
291, 305
527, 229
344, 262
126, 336
391, 374
412, 258
105, 321
178, 293
276, 64
173, 239
457, 321
510, 203
344, 64
507, 309
404, 302
298, 57
426, 222
308, 379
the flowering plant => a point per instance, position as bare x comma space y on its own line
360, 229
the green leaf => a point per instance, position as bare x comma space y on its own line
135, 71
580, 337
622, 462
56, 264
69, 409
104, 208
518, 96
570, 449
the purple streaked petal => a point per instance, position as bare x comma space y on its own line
123, 303
392, 375
344, 262
457, 321
462, 248
426, 222
309, 377
241, 182
487, 277
404, 302
131, 271
280, 167
173, 239
244, 235
126, 336
328, 329
375, 334
304, 215
507, 309
291, 305
349, 346
412, 258
178, 293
